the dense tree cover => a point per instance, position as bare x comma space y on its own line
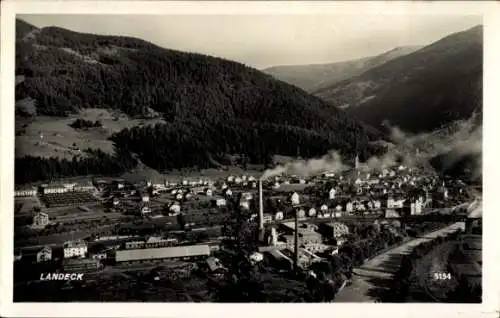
82, 123
29, 168
181, 144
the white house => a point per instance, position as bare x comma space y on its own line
276, 185
349, 207
245, 205
246, 196
324, 208
40, 220
230, 179
338, 208
208, 192
74, 249
311, 212
220, 202
44, 255
116, 201
175, 208
227, 192
331, 194
278, 216
145, 198
25, 193
295, 198
238, 180
179, 196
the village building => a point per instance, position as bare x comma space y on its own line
145, 210
145, 198
311, 212
73, 249
173, 252
331, 194
244, 204
238, 180
28, 192
278, 216
44, 255
179, 196
220, 202
349, 207
208, 192
227, 192
174, 208
323, 208
40, 220
294, 198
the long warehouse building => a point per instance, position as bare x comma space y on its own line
175, 252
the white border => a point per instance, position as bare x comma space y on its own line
491, 264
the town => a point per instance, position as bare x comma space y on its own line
190, 230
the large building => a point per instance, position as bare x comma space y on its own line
40, 220
72, 249
175, 252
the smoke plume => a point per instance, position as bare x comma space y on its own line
331, 162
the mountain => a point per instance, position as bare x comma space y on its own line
314, 77
126, 98
418, 92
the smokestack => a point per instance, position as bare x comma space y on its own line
261, 208
296, 243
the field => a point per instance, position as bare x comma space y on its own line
25, 205
60, 140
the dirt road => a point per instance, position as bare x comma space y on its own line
368, 278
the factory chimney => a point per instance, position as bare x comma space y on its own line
261, 208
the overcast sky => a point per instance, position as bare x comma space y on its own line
262, 41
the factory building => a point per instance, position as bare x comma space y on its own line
81, 265
175, 252
73, 249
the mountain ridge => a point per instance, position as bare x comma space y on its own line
313, 77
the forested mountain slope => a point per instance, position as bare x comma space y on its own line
209, 107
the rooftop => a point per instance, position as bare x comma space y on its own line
164, 252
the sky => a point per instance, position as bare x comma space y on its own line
269, 40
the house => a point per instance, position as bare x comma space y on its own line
73, 249
256, 257
276, 185
40, 220
244, 204
224, 186
214, 265
254, 184
220, 202
116, 201
227, 192
247, 196
145, 198
188, 195
323, 208
44, 255
238, 180
349, 207
208, 192
278, 216
179, 196
25, 192
230, 179
377, 205
294, 198
174, 208
145, 210
311, 212
331, 194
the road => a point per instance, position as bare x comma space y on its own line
368, 278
